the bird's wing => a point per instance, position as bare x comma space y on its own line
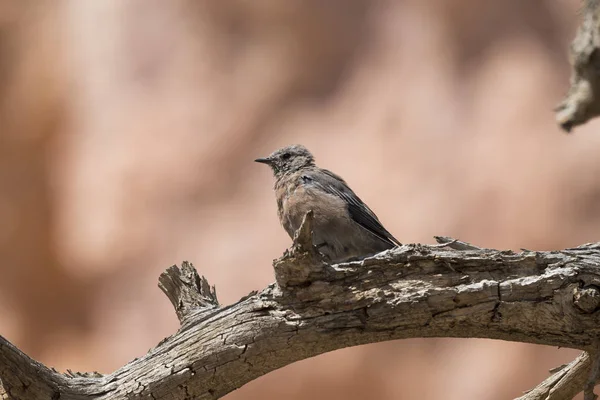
359, 211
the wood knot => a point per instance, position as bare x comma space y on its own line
587, 299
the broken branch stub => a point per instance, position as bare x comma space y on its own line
303, 263
187, 291
455, 244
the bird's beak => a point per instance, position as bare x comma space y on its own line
267, 161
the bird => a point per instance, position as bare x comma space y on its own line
344, 227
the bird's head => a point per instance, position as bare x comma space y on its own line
288, 159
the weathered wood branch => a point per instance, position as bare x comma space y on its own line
188, 292
582, 101
448, 290
565, 382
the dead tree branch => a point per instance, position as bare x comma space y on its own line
565, 382
582, 101
448, 290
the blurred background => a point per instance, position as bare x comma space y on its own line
128, 130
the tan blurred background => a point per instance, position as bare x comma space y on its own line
128, 130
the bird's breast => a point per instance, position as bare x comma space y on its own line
329, 210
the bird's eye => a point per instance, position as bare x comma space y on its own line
286, 156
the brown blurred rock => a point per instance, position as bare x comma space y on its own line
36, 290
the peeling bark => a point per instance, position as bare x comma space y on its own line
453, 289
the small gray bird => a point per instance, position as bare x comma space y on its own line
343, 226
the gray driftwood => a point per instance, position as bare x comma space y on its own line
452, 289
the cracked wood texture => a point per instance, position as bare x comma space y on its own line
411, 291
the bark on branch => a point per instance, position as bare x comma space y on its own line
452, 289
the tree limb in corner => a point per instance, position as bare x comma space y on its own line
449, 290
582, 101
